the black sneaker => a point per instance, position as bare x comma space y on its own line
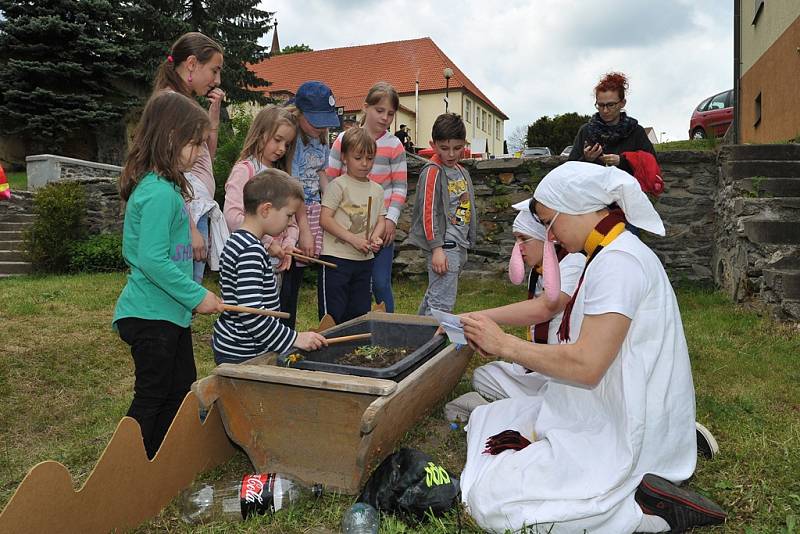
706, 444
681, 508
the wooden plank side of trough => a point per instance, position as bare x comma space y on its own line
311, 435
305, 378
386, 420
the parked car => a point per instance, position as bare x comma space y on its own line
536, 152
712, 116
567, 151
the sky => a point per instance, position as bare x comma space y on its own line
544, 57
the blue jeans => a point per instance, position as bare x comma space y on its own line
200, 266
382, 277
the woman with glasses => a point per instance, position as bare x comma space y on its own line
605, 447
610, 131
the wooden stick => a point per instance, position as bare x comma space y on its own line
369, 216
256, 311
343, 339
308, 259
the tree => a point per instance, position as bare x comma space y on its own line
555, 133
59, 62
518, 138
293, 49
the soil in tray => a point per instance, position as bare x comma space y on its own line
374, 356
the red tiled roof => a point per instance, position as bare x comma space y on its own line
351, 71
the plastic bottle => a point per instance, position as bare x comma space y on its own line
361, 518
236, 500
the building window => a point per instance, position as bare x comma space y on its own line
483, 120
758, 7
757, 110
468, 111
497, 128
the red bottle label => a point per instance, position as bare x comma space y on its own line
256, 495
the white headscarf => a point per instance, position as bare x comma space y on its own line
578, 187
525, 223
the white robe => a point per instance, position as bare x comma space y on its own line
500, 380
594, 444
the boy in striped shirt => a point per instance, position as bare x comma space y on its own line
246, 278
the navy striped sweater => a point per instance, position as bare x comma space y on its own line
246, 279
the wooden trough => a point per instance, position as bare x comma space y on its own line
327, 428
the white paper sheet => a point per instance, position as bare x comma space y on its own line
452, 326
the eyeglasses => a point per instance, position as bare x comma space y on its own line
606, 105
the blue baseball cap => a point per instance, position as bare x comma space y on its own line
316, 101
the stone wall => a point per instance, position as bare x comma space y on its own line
687, 207
45, 168
104, 209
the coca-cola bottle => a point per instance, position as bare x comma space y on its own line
237, 500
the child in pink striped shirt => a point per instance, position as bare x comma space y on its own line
389, 171
269, 143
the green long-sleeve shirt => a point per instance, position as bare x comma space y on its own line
157, 245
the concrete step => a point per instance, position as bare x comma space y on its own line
15, 267
11, 235
12, 245
736, 169
14, 226
29, 218
763, 152
784, 282
770, 187
773, 232
12, 255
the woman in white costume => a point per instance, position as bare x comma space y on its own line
615, 426
499, 380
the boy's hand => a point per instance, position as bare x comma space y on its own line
359, 243
376, 244
310, 341
439, 261
199, 251
286, 263
306, 242
275, 250
211, 303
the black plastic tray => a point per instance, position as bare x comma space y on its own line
384, 333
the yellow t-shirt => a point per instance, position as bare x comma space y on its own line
349, 198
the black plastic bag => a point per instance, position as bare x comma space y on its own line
409, 483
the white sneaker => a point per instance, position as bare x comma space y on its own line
706, 444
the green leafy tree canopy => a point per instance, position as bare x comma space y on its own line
555, 133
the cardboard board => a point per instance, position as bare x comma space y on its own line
125, 488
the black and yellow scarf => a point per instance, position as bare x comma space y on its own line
606, 231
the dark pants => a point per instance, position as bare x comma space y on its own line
290, 290
345, 292
164, 363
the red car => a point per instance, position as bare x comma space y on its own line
712, 117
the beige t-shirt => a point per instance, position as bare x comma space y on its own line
349, 198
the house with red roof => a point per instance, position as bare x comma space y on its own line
415, 67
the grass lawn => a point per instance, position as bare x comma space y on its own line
687, 144
17, 181
66, 379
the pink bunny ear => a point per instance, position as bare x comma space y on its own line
551, 272
516, 266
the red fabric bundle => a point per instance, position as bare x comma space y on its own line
646, 171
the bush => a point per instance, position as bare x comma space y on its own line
99, 253
229, 145
60, 221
